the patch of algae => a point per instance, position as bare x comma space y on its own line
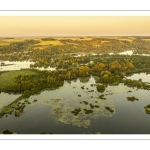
76, 113
147, 109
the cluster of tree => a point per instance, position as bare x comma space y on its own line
48, 39
17, 46
107, 77
141, 45
31, 84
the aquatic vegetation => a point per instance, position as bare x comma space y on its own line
35, 100
85, 102
88, 111
109, 109
96, 106
56, 110
92, 106
16, 106
7, 132
79, 116
17, 113
132, 99
147, 109
56, 100
91, 91
137, 83
76, 111
129, 91
102, 97
82, 87
100, 87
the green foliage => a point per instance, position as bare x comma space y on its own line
136, 83
48, 39
100, 87
8, 78
147, 109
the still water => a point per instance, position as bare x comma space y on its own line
78, 108
143, 76
17, 65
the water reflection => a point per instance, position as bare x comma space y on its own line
145, 77
6, 99
132, 99
8, 132
17, 65
84, 79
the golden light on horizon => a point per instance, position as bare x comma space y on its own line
74, 26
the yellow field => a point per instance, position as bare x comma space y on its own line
56, 42
44, 44
6, 41
146, 39
3, 43
104, 41
74, 38
125, 39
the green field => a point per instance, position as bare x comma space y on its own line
8, 78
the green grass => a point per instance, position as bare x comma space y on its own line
8, 78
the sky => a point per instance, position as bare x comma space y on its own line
19, 26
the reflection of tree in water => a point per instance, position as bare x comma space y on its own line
80, 113
147, 109
84, 79
72, 80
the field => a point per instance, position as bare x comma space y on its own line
8, 78
126, 39
7, 41
42, 44
74, 38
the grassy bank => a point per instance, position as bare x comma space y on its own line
8, 78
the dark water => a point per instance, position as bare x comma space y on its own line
74, 110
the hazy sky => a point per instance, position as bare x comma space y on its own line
74, 26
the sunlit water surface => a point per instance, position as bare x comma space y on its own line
17, 65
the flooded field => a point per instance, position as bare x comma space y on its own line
78, 108
17, 65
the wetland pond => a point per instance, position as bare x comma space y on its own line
78, 108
